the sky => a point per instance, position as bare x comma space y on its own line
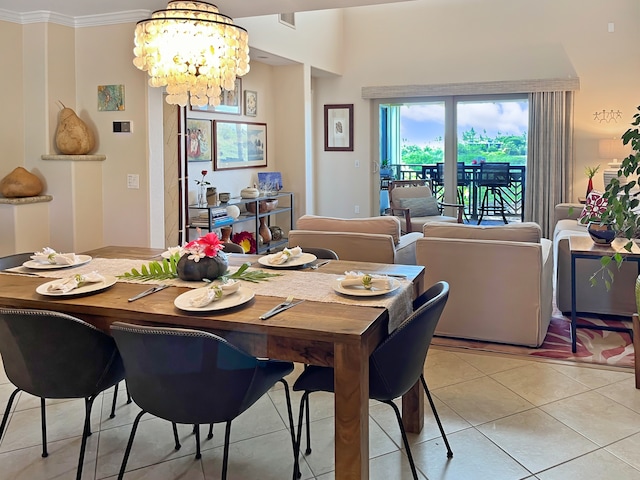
422, 124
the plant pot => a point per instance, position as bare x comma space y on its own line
207, 267
602, 234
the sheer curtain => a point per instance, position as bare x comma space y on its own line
549, 177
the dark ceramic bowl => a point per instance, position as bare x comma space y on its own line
601, 234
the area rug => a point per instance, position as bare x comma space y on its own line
593, 346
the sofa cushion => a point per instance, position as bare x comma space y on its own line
514, 232
387, 225
421, 207
595, 206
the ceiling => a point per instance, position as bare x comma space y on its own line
233, 8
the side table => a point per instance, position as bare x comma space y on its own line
583, 247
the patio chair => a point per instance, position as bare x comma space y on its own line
493, 177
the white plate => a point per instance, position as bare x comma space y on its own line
301, 259
88, 288
360, 291
243, 295
81, 260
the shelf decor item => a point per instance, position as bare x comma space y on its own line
246, 240
591, 172
202, 189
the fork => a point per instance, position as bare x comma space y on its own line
286, 303
319, 264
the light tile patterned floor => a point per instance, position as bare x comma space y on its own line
506, 419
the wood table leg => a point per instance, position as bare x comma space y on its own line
351, 377
636, 346
413, 409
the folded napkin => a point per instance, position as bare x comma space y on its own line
285, 255
65, 285
366, 280
50, 256
213, 293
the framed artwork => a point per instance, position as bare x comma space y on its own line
198, 140
110, 98
250, 103
239, 145
230, 101
270, 181
338, 128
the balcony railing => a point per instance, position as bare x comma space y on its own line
513, 194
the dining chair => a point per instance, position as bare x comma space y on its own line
323, 253
493, 177
54, 355
394, 366
230, 247
14, 260
213, 381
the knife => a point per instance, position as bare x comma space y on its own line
396, 275
278, 310
149, 291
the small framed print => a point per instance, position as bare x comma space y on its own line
338, 128
110, 98
230, 101
198, 140
250, 103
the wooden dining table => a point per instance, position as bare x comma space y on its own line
317, 333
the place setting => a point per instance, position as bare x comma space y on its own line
365, 284
287, 258
219, 295
78, 284
49, 259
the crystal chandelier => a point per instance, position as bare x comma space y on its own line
193, 50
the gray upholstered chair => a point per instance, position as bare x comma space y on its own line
54, 355
194, 377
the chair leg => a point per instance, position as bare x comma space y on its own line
305, 398
127, 451
483, 204
43, 419
198, 454
499, 195
437, 417
307, 412
175, 436
225, 457
296, 468
86, 431
113, 404
404, 439
5, 418
210, 434
128, 394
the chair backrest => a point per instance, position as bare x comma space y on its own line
183, 375
494, 175
54, 355
397, 363
462, 178
15, 260
358, 247
408, 189
324, 253
230, 247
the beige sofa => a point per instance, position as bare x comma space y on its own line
500, 277
619, 300
371, 239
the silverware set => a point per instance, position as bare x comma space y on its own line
149, 291
288, 303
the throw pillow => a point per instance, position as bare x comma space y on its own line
421, 207
594, 207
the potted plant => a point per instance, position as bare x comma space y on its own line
385, 169
622, 204
591, 172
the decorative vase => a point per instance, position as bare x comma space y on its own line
207, 267
602, 234
276, 233
226, 234
202, 195
589, 186
264, 231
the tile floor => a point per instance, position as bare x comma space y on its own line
506, 419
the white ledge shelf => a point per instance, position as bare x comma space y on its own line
76, 158
26, 200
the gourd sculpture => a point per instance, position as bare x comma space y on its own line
73, 137
20, 183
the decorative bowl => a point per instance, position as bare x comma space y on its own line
602, 234
264, 205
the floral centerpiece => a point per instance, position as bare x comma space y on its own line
200, 259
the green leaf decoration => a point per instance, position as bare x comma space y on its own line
253, 276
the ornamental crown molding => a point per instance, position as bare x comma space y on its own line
44, 16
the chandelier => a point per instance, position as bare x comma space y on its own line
193, 50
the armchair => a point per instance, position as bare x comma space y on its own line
413, 202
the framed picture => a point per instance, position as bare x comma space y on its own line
230, 101
198, 140
338, 128
110, 98
250, 103
239, 145
270, 181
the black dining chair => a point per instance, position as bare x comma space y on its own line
14, 260
194, 377
323, 253
230, 247
54, 355
394, 366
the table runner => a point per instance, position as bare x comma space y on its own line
309, 285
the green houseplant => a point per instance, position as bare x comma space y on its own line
622, 205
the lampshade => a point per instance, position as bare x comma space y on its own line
612, 149
193, 50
